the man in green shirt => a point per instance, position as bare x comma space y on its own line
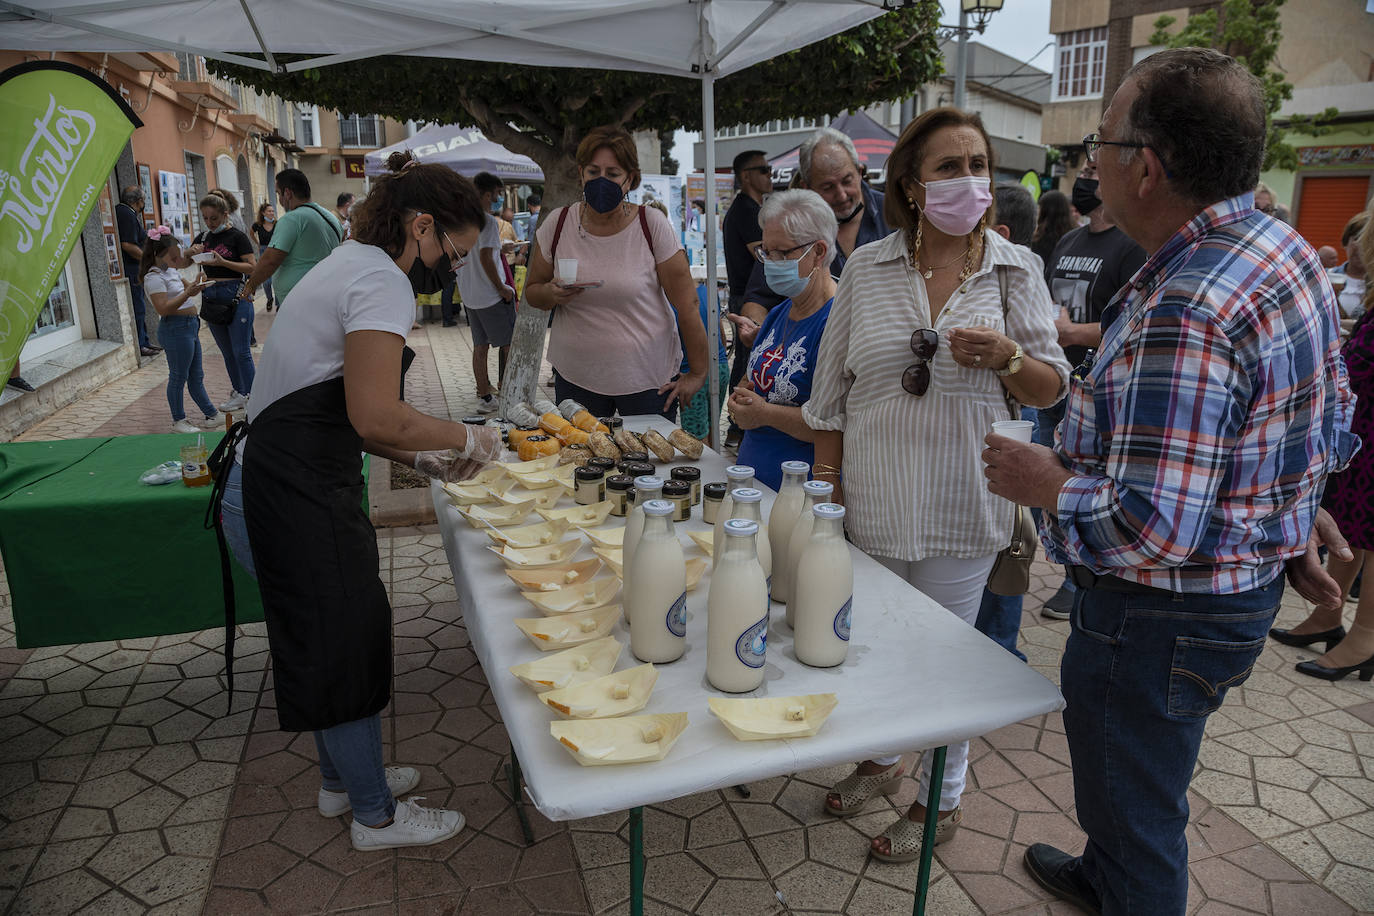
302, 238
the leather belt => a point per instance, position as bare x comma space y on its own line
1085, 578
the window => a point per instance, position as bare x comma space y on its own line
361, 130
1080, 64
188, 66
308, 126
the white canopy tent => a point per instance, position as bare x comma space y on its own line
700, 39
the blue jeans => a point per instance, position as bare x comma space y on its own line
179, 336
138, 301
1140, 675
234, 341
999, 616
351, 752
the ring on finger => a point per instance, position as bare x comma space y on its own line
977, 358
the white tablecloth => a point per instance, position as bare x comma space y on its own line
916, 677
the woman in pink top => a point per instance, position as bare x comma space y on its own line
614, 346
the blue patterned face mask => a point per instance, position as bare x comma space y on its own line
602, 194
785, 278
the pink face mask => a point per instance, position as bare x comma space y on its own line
954, 205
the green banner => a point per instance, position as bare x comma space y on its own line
64, 131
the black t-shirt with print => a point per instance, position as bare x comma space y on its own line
231, 244
1086, 271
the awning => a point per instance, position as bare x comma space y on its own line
466, 150
872, 142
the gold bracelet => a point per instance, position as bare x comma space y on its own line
826, 467
826, 474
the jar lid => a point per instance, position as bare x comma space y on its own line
739, 472
748, 495
648, 482
714, 490
589, 474
658, 507
828, 510
677, 488
606, 464
741, 527
637, 468
796, 467
475, 421
634, 456
612, 423
818, 488
686, 473
620, 482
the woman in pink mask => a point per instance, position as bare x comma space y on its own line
932, 331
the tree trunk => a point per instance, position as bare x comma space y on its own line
521, 382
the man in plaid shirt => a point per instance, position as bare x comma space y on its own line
1188, 470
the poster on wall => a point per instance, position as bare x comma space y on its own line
694, 217
661, 189
67, 128
176, 212
145, 181
107, 225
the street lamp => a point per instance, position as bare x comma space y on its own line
981, 11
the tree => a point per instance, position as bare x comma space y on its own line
1249, 31
668, 164
543, 112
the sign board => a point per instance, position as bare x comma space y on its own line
353, 167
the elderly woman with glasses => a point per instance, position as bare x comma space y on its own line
933, 331
797, 249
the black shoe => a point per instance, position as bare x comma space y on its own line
732, 438
1312, 669
147, 351
1060, 605
17, 381
1061, 875
1330, 637
450, 323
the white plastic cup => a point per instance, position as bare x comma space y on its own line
567, 270
1020, 430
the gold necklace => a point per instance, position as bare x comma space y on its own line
914, 247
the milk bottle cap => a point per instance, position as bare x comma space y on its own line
748, 495
739, 472
795, 467
658, 507
818, 488
828, 510
741, 528
648, 482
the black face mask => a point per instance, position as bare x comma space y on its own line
857, 210
425, 280
1085, 195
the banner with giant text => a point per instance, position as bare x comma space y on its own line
65, 129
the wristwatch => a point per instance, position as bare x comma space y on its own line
1014, 364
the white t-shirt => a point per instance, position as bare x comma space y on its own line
1351, 298
168, 281
473, 283
356, 288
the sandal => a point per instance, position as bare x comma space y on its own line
855, 790
904, 837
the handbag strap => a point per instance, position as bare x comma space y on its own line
1002, 284
557, 233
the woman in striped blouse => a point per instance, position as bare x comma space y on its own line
919, 357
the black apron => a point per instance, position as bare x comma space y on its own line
328, 616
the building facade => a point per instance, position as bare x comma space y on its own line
1326, 52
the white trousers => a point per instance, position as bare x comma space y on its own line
956, 584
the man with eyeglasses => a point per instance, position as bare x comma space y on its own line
741, 234
1186, 477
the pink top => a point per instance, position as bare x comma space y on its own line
621, 338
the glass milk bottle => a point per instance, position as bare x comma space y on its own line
817, 492
781, 518
749, 504
736, 476
824, 591
737, 612
646, 488
656, 588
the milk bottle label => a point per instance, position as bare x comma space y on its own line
677, 616
842, 620
752, 644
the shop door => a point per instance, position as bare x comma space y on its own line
1326, 205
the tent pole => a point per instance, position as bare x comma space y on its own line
708, 131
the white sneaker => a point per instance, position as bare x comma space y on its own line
215, 422
486, 404
412, 826
399, 780
236, 402
186, 426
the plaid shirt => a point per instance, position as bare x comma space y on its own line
1218, 402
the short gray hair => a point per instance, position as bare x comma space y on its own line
826, 136
803, 215
130, 195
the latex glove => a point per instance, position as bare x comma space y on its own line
446, 465
483, 445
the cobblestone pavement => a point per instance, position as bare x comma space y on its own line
125, 787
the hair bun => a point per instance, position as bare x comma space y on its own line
398, 160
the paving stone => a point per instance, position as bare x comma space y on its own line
813, 885
169, 878
64, 894
126, 854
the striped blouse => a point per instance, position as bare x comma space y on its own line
913, 472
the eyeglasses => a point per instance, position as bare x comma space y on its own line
761, 169
916, 378
1093, 143
458, 259
1269, 210
764, 255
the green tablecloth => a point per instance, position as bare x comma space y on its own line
92, 554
